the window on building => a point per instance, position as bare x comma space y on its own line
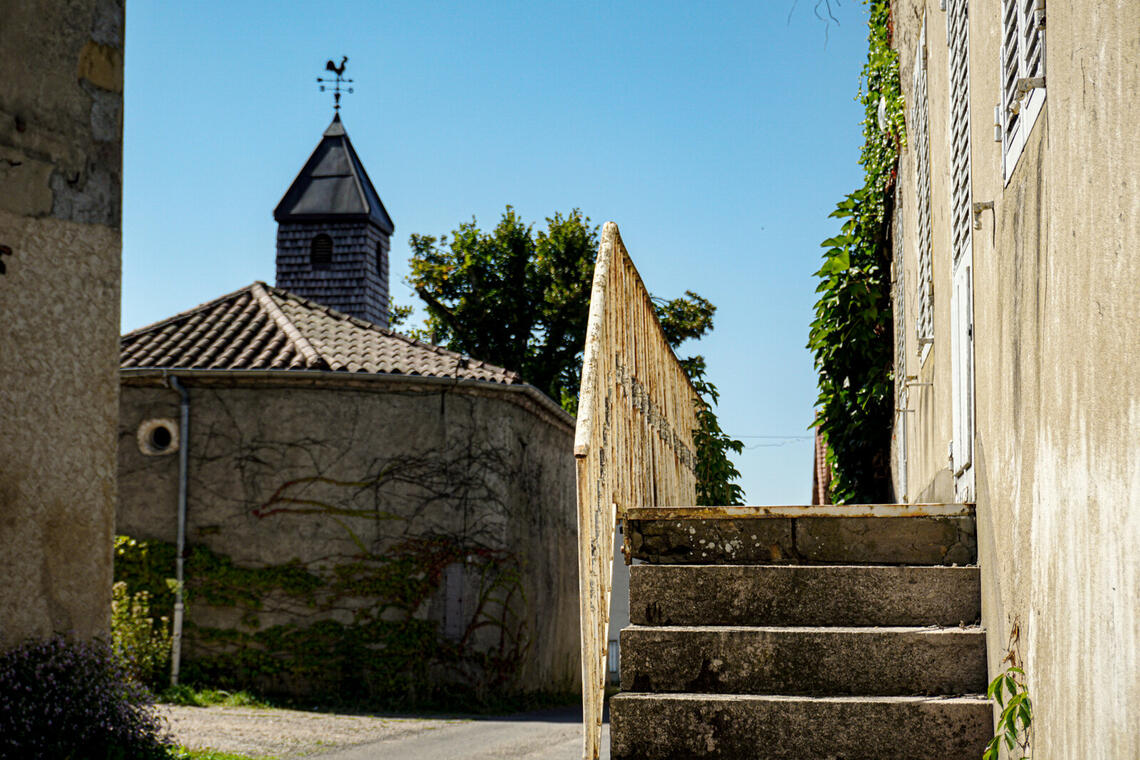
320, 252
1022, 75
960, 190
962, 254
920, 126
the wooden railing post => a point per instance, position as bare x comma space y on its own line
633, 444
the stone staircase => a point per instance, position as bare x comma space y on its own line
776, 635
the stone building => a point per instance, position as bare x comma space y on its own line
365, 513
61, 105
1018, 224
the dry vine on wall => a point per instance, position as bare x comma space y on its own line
366, 608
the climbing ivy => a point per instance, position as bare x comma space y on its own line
147, 566
852, 334
358, 635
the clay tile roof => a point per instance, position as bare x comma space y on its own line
261, 327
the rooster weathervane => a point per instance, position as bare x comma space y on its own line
335, 84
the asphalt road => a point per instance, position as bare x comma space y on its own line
546, 735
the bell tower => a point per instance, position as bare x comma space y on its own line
333, 232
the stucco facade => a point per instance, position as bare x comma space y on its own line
61, 84
324, 471
1056, 388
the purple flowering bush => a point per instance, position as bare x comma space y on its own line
74, 700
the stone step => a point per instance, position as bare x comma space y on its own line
811, 595
904, 540
823, 661
751, 727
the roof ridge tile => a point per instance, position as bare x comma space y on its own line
312, 358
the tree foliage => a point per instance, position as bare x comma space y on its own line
852, 335
511, 297
520, 298
715, 471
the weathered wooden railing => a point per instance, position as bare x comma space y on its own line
633, 445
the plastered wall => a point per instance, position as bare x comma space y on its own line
61, 83
1057, 381
282, 471
929, 479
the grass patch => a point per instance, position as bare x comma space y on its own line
184, 753
191, 697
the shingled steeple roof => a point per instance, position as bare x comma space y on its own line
333, 186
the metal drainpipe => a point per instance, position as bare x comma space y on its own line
183, 460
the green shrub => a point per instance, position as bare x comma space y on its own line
141, 642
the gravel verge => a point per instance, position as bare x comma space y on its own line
285, 734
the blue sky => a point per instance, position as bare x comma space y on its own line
718, 136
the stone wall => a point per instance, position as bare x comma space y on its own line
61, 85
1057, 384
447, 508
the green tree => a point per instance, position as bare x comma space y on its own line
520, 299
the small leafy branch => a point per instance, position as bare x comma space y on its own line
716, 472
1016, 713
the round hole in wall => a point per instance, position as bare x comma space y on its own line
158, 436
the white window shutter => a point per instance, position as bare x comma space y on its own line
1022, 74
961, 297
962, 319
1032, 42
1010, 66
959, 129
920, 121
